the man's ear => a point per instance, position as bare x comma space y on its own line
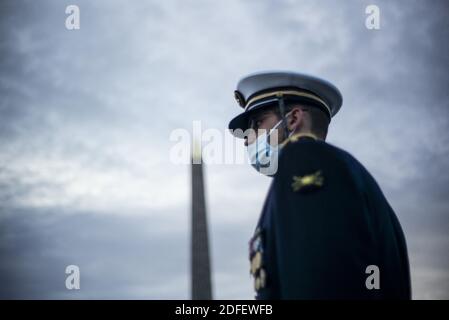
295, 119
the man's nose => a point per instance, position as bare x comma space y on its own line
249, 139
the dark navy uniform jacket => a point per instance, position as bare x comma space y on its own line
324, 222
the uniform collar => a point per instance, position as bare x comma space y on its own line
300, 136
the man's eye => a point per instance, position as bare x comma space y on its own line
257, 122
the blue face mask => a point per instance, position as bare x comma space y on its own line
262, 155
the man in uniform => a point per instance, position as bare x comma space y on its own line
326, 230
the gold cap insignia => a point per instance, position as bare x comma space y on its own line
308, 181
239, 98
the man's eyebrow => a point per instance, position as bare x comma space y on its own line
259, 115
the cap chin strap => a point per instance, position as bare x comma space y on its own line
281, 104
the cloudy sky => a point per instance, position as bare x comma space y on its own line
86, 117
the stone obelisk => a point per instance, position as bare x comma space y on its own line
200, 261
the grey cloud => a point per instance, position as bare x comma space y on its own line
116, 255
105, 97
